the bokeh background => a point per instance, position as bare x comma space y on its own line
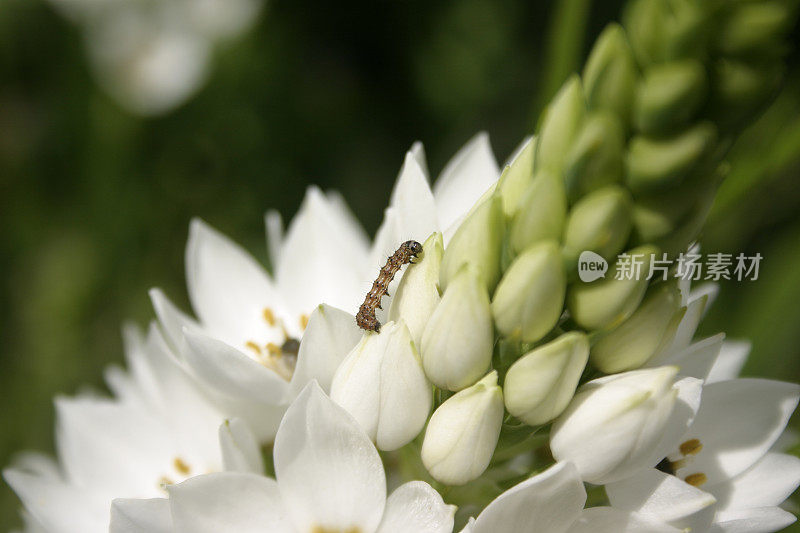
95, 200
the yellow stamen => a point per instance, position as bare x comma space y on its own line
164, 481
181, 466
691, 447
273, 349
696, 479
253, 346
269, 316
303, 321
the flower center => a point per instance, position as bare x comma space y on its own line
282, 358
179, 471
688, 449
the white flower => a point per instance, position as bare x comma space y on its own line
723, 474
621, 423
244, 343
329, 477
160, 429
382, 384
463, 432
552, 502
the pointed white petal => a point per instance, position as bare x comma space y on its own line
416, 506
322, 257
683, 414
228, 502
610, 520
172, 320
413, 200
331, 475
464, 179
664, 498
228, 288
274, 225
140, 516
552, 500
330, 335
418, 151
759, 520
738, 422
695, 360
230, 371
240, 451
729, 363
767, 483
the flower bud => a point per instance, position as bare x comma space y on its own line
560, 125
417, 294
613, 424
517, 176
540, 384
463, 432
610, 75
641, 336
382, 384
754, 26
477, 242
655, 163
607, 302
458, 339
596, 157
740, 88
530, 297
669, 95
540, 213
600, 222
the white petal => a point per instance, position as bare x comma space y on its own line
228, 288
140, 516
767, 483
464, 179
322, 257
688, 325
709, 289
730, 361
330, 335
416, 506
551, 500
698, 359
274, 225
759, 520
413, 200
231, 372
610, 520
738, 422
684, 412
330, 474
418, 151
664, 498
58, 507
172, 320
240, 451
228, 502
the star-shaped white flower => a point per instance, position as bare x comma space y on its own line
329, 477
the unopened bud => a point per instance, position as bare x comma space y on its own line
478, 243
596, 158
530, 297
560, 125
541, 212
417, 294
462, 433
517, 176
670, 95
540, 384
458, 339
641, 336
599, 222
610, 75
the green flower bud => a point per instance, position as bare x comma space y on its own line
530, 297
540, 214
740, 88
560, 125
661, 31
462, 433
650, 223
417, 295
603, 304
754, 26
644, 22
517, 176
654, 164
610, 74
600, 222
458, 339
540, 384
636, 340
596, 158
670, 95
478, 242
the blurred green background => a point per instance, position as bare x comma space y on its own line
95, 202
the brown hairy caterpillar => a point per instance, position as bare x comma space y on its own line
366, 313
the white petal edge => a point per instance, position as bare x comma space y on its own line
140, 516
416, 506
240, 450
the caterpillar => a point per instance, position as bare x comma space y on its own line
365, 318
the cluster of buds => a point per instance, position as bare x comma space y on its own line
627, 158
